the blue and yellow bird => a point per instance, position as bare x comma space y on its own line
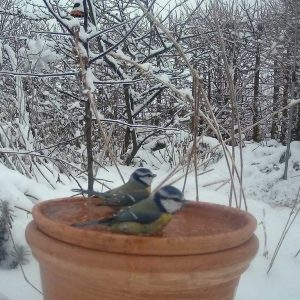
136, 189
78, 9
147, 217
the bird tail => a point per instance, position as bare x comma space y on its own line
90, 192
105, 221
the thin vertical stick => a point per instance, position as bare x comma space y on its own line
212, 123
196, 120
21, 267
83, 64
291, 109
286, 228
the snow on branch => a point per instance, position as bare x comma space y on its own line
41, 75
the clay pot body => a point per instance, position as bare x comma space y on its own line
200, 255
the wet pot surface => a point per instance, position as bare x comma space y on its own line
209, 228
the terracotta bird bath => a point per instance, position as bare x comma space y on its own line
201, 254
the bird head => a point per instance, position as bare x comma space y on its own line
78, 9
143, 175
169, 199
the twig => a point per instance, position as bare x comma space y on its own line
24, 209
93, 108
40, 75
286, 228
216, 182
204, 172
212, 123
39, 155
263, 224
21, 267
222, 185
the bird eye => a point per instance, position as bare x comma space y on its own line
177, 199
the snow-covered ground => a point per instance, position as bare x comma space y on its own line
264, 190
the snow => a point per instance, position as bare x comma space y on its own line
90, 79
146, 66
123, 55
186, 93
163, 77
264, 190
1, 53
40, 52
12, 56
294, 102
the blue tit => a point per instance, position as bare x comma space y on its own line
136, 189
147, 217
78, 9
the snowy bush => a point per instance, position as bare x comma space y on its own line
5, 225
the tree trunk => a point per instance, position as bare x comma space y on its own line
296, 115
274, 127
256, 129
209, 81
89, 144
285, 96
297, 127
130, 131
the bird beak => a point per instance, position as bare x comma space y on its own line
154, 175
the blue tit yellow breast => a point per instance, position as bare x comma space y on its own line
142, 229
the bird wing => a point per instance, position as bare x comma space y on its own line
104, 221
143, 212
127, 187
92, 192
120, 198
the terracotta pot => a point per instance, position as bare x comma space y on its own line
200, 255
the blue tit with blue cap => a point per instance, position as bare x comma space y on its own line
136, 189
147, 217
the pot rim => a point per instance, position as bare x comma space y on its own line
146, 245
